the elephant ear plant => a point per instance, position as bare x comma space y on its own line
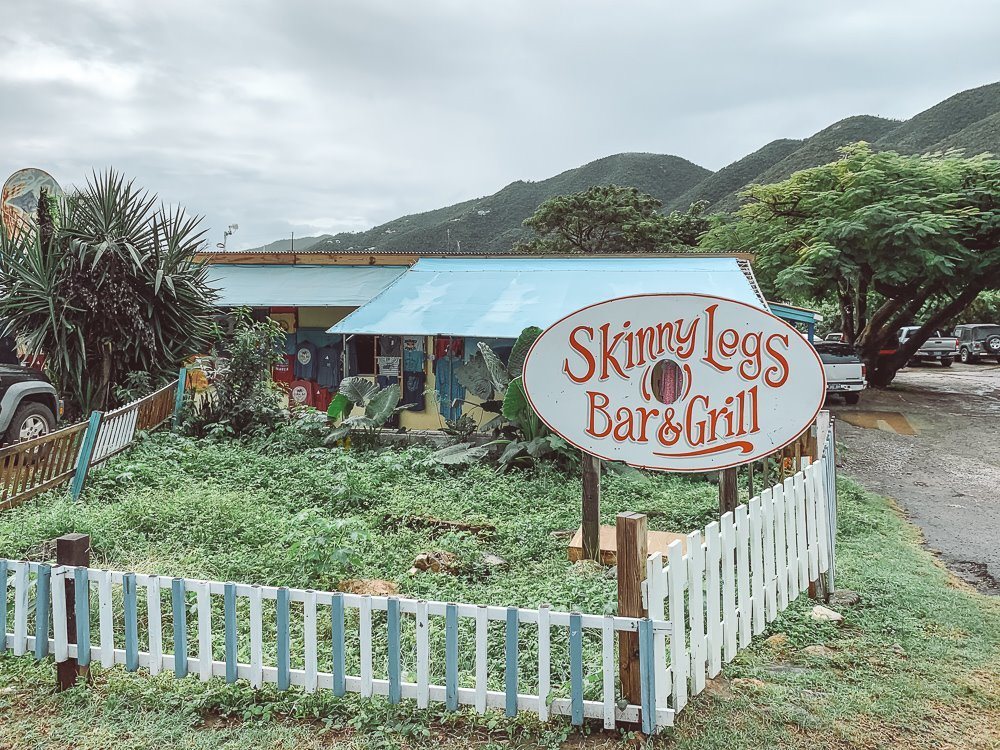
523, 437
378, 405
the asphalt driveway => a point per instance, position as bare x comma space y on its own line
931, 441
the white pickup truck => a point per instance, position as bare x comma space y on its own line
845, 372
943, 349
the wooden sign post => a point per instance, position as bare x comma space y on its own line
591, 535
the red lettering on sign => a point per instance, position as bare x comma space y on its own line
584, 352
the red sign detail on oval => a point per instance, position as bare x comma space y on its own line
675, 382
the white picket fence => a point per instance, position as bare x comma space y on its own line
706, 604
739, 573
118, 427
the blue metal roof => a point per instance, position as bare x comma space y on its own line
302, 286
499, 297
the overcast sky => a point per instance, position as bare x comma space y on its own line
330, 116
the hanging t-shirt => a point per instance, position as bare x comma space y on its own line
305, 360
301, 393
448, 346
413, 354
414, 385
328, 365
284, 370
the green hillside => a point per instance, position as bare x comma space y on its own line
494, 223
817, 149
934, 126
733, 177
982, 136
969, 120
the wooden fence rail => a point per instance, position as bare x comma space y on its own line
37, 465
40, 464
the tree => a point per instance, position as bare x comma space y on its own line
886, 236
106, 286
611, 219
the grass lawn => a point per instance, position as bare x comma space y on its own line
917, 663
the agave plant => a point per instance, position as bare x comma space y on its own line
108, 288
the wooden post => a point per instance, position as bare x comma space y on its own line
591, 524
630, 531
729, 490
71, 549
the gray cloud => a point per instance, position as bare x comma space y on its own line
320, 117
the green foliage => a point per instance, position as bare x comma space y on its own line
983, 309
106, 286
243, 398
135, 386
235, 511
610, 219
379, 405
887, 236
326, 549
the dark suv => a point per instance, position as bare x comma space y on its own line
977, 340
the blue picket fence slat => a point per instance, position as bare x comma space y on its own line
229, 609
284, 645
43, 599
131, 623
179, 608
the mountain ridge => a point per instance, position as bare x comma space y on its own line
968, 120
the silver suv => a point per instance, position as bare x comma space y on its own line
977, 340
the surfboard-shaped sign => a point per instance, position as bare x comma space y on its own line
675, 382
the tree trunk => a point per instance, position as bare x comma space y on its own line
882, 371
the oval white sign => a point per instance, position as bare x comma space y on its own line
675, 382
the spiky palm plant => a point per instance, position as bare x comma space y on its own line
115, 290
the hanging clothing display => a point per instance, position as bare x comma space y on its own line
446, 346
387, 363
448, 387
413, 354
284, 370
305, 360
414, 385
301, 393
328, 365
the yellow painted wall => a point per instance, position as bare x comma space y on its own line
322, 317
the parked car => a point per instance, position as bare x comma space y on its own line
976, 340
834, 337
937, 348
845, 372
29, 404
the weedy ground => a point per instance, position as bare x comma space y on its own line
915, 665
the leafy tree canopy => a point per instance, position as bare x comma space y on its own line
106, 287
887, 236
611, 219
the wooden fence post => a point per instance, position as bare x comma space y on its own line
729, 491
630, 531
71, 549
179, 398
591, 523
86, 453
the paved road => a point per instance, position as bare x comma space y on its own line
931, 441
